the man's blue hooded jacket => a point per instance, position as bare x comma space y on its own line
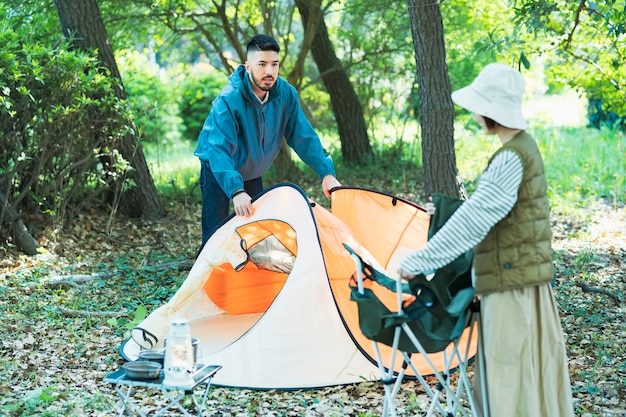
241, 137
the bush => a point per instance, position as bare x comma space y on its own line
599, 117
198, 88
60, 126
153, 98
168, 104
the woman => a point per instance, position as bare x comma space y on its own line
507, 222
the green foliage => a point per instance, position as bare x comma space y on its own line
152, 97
372, 39
175, 171
582, 164
198, 85
599, 117
583, 45
60, 124
474, 37
473, 149
36, 20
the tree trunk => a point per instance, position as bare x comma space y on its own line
355, 145
284, 165
436, 110
12, 221
82, 23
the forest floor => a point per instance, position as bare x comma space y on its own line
53, 357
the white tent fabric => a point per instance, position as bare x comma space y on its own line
288, 322
300, 341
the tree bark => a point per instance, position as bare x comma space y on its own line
355, 145
11, 219
436, 110
82, 23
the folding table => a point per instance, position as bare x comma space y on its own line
124, 387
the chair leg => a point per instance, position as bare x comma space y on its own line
391, 383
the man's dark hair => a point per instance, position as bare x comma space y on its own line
262, 43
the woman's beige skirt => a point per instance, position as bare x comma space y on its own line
525, 359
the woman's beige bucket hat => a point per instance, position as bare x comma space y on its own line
496, 93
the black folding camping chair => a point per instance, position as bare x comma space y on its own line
430, 316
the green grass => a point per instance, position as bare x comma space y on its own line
175, 170
583, 166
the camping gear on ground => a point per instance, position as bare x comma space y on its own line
268, 298
172, 397
390, 228
430, 315
142, 370
414, 327
178, 360
152, 355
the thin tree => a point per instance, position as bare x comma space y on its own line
82, 24
355, 145
436, 110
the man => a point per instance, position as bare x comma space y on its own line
243, 134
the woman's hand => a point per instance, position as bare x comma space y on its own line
430, 207
405, 274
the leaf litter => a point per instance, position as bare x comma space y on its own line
53, 365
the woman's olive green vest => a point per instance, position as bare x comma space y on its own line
517, 251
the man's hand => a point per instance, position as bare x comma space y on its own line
328, 183
242, 203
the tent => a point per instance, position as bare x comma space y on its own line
268, 298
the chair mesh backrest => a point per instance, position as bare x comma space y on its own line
436, 310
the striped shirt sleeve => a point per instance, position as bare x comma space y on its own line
495, 196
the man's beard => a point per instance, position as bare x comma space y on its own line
259, 85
